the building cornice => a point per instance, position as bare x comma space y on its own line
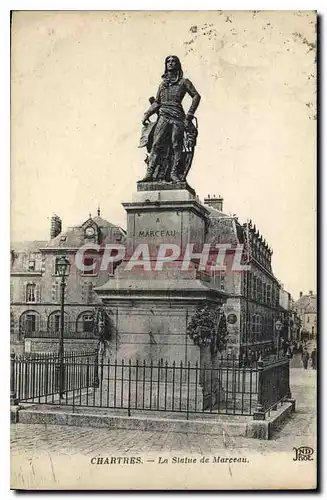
26, 273
59, 249
263, 268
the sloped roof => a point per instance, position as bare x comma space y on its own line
73, 237
27, 246
223, 228
215, 213
102, 222
312, 306
304, 301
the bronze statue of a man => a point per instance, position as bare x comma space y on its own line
172, 121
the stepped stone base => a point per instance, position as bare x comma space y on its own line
208, 424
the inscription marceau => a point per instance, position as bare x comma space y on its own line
163, 233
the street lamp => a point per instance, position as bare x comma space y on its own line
62, 266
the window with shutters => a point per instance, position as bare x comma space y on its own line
31, 265
249, 285
264, 292
88, 293
31, 293
256, 326
259, 290
29, 322
85, 322
89, 261
254, 294
88, 323
54, 322
252, 329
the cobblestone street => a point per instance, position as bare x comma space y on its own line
299, 430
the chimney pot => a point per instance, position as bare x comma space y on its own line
310, 292
214, 202
56, 225
301, 293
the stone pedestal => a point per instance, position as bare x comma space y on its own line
168, 216
151, 303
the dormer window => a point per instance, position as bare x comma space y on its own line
31, 265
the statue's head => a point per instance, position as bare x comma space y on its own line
173, 64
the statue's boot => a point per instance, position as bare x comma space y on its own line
149, 172
173, 174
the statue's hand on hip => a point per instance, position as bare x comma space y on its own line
145, 121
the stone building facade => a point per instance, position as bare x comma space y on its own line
35, 284
306, 309
252, 308
253, 305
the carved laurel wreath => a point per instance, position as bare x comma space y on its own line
208, 327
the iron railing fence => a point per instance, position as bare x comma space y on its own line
35, 376
273, 385
225, 387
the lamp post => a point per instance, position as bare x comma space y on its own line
62, 266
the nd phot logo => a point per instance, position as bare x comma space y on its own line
303, 453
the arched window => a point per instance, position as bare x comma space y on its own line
54, 322
29, 323
85, 321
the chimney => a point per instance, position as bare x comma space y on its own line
310, 292
55, 228
213, 202
301, 293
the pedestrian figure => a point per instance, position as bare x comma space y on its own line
305, 358
314, 359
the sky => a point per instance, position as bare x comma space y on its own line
80, 83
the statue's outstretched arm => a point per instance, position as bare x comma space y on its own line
196, 98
